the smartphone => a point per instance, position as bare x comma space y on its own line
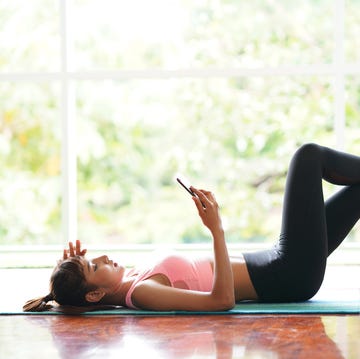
184, 183
186, 186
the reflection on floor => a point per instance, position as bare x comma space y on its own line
180, 337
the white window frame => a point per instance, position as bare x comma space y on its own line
339, 69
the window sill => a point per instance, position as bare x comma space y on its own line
43, 256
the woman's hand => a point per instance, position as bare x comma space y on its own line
72, 252
208, 209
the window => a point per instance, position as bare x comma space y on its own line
103, 102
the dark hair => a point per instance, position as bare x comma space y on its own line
68, 287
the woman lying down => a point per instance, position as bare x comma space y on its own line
292, 270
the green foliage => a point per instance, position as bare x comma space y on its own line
30, 175
218, 137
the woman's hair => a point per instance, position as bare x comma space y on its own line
68, 287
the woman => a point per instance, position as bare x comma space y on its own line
292, 270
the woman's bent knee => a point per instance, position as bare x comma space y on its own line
308, 153
309, 150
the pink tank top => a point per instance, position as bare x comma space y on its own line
182, 273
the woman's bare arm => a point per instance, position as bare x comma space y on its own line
150, 294
223, 287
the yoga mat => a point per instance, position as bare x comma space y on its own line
247, 308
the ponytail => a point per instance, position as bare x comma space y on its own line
39, 304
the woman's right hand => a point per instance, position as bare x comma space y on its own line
72, 252
208, 209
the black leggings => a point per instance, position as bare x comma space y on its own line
294, 268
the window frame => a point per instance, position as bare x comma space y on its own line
338, 70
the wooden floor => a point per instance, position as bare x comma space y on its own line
199, 336
180, 337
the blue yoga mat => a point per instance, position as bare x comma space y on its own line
246, 308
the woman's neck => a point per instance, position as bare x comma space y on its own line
118, 295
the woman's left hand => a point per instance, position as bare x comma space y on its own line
72, 252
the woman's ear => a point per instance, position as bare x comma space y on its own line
94, 296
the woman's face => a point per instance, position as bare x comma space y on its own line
103, 273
